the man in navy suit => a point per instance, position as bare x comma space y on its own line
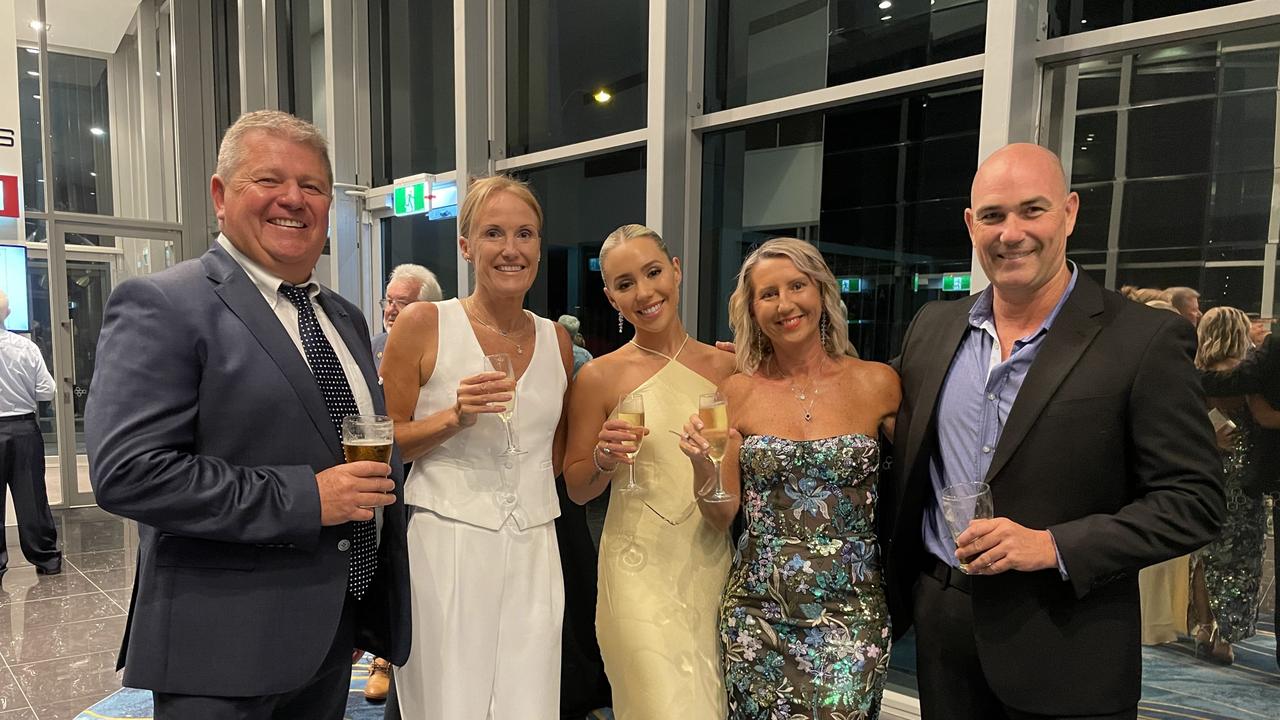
264, 559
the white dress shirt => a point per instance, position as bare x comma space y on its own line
24, 379
269, 286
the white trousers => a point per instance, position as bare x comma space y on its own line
487, 609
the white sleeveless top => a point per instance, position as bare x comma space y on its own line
464, 478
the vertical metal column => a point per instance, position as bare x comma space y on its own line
471, 112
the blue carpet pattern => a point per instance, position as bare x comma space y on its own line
131, 704
1176, 686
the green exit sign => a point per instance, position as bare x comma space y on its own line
851, 284
412, 199
956, 282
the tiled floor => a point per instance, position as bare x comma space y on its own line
59, 634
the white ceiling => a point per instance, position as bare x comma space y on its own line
96, 25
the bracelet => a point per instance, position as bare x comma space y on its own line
595, 460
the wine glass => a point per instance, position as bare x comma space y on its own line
631, 410
963, 503
715, 428
501, 362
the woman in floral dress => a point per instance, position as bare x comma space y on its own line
804, 629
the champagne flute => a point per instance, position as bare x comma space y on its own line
501, 362
963, 503
631, 410
714, 415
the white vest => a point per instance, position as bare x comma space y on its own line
464, 478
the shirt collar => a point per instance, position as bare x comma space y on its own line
982, 314
267, 283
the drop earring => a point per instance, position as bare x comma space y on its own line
822, 330
619, 322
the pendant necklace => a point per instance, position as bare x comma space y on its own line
504, 334
803, 393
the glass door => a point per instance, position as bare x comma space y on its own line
95, 258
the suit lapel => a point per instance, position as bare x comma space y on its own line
1071, 333
243, 298
940, 349
357, 346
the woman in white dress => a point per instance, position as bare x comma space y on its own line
487, 590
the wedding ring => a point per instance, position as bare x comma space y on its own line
988, 564
606, 451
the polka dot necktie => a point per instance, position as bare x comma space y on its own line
340, 402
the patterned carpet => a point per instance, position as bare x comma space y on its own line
1176, 686
133, 704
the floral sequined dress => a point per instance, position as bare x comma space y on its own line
804, 628
1233, 562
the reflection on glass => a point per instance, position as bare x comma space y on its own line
1068, 17
430, 243
574, 71
760, 50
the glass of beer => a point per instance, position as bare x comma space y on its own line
501, 362
367, 437
714, 415
631, 411
963, 503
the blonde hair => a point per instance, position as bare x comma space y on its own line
1144, 295
752, 345
1223, 334
481, 189
232, 151
630, 232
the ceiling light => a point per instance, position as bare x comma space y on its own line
886, 17
97, 131
602, 96
36, 97
33, 73
94, 174
1083, 21
157, 73
36, 25
885, 5
34, 51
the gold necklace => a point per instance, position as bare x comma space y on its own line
504, 334
670, 358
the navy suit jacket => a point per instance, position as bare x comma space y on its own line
1108, 445
206, 426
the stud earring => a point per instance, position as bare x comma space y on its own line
619, 322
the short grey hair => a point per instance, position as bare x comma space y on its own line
4, 307
428, 285
231, 154
1180, 296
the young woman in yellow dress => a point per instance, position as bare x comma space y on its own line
662, 564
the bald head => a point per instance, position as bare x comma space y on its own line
1026, 159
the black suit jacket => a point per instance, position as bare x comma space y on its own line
206, 426
1108, 446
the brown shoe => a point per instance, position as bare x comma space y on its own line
379, 682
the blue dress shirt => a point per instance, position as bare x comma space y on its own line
975, 400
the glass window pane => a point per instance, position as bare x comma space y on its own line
574, 72
1099, 85
1172, 139
882, 191
583, 201
430, 243
300, 55
1067, 17
110, 108
1174, 72
758, 50
412, 85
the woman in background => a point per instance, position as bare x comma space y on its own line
1227, 573
804, 628
662, 561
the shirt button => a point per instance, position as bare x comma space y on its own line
986, 448
991, 396
344, 545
